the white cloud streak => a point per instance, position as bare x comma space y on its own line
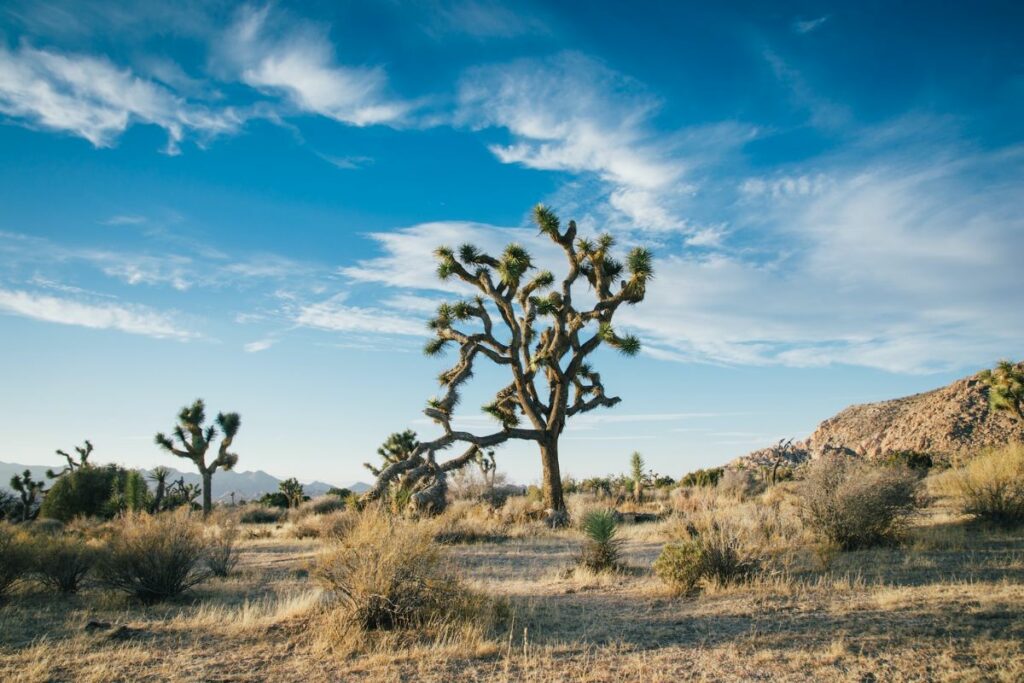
92, 98
101, 316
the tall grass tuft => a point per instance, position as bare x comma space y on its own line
15, 558
61, 562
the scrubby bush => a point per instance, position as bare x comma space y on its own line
851, 504
15, 558
710, 547
708, 477
991, 486
261, 515
153, 558
913, 460
222, 549
602, 550
388, 572
739, 484
681, 566
61, 562
320, 506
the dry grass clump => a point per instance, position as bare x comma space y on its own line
154, 557
851, 504
990, 487
739, 484
388, 573
321, 505
61, 562
15, 557
222, 549
469, 522
521, 511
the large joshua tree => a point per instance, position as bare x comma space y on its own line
195, 440
543, 338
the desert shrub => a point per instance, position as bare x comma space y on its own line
306, 527
466, 521
61, 562
336, 525
222, 549
851, 504
990, 487
274, 499
913, 460
15, 558
261, 515
708, 477
681, 566
323, 505
521, 510
602, 550
739, 484
47, 526
718, 550
154, 557
84, 492
389, 573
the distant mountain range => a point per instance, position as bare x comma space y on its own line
245, 485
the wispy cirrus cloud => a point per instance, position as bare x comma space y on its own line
337, 316
276, 53
804, 26
97, 100
104, 315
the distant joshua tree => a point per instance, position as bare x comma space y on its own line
293, 491
544, 342
159, 477
83, 460
195, 441
29, 491
1005, 387
636, 464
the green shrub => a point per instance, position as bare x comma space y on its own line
154, 557
84, 492
15, 558
703, 478
61, 562
912, 460
853, 504
991, 486
681, 566
602, 550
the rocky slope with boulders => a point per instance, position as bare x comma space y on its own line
951, 422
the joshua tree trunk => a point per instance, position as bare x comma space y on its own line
207, 492
552, 488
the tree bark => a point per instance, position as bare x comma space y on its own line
553, 499
207, 492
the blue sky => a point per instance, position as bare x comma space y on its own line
238, 201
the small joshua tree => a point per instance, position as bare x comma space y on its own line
636, 464
412, 478
780, 455
159, 477
293, 491
195, 440
29, 490
83, 460
543, 339
1005, 387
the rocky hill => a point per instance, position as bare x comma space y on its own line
954, 420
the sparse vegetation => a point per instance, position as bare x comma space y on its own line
221, 549
990, 487
1006, 387
852, 504
15, 558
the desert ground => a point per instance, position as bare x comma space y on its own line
946, 603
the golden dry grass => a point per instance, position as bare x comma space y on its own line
945, 605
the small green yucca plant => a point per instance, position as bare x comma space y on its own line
602, 550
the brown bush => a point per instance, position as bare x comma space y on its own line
389, 573
62, 561
154, 557
15, 558
852, 504
222, 549
990, 487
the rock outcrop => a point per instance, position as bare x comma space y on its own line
953, 421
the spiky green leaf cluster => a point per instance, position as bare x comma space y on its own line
546, 220
1005, 387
